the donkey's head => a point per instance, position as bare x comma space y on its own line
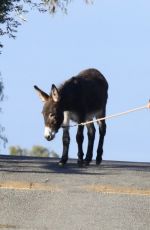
52, 111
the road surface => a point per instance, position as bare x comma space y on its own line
36, 193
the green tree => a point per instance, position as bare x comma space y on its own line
39, 151
3, 139
36, 151
17, 151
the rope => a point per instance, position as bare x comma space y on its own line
147, 106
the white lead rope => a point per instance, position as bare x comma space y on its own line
147, 106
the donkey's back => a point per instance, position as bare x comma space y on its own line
87, 91
94, 86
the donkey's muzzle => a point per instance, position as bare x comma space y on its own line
50, 137
49, 134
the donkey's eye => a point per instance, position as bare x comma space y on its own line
51, 115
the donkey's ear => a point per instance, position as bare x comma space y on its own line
55, 93
43, 96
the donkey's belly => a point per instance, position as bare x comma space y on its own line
70, 116
75, 117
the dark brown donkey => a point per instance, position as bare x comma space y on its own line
81, 98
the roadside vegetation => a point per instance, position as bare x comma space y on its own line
35, 151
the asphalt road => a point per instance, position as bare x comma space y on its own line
36, 193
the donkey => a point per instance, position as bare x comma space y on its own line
81, 98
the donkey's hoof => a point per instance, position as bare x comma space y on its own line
98, 161
86, 162
61, 163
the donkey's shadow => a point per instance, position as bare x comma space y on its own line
22, 164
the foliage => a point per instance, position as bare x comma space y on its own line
17, 151
36, 151
1, 91
2, 137
39, 151
12, 12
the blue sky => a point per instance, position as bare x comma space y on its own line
112, 36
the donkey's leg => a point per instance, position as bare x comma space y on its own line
79, 139
91, 137
66, 142
102, 132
